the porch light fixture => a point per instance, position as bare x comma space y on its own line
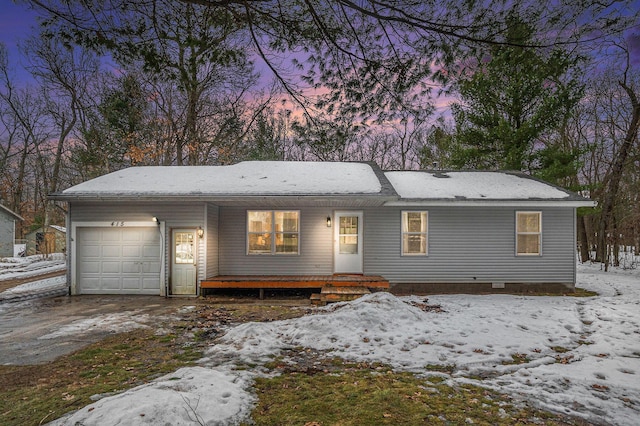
155, 219
328, 221
200, 232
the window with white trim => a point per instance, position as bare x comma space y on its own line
528, 233
414, 233
273, 232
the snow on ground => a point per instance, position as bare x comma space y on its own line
44, 285
189, 396
583, 353
32, 266
113, 323
25, 267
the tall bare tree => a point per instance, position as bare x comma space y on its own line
25, 118
628, 82
65, 76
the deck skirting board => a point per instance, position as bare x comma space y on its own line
295, 281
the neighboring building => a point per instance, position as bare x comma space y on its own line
8, 220
175, 230
54, 240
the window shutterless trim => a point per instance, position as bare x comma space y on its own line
424, 214
538, 233
272, 234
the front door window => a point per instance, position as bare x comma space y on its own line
184, 247
348, 236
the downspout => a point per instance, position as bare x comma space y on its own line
67, 250
163, 257
163, 249
204, 262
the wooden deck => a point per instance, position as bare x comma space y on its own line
294, 281
333, 288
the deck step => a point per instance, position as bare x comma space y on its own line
332, 293
316, 299
347, 291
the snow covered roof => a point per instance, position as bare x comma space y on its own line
483, 187
56, 227
320, 180
59, 228
249, 178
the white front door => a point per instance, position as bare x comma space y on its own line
348, 243
183, 267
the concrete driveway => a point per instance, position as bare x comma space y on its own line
40, 330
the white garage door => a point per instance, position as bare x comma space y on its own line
118, 260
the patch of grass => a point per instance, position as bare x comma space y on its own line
577, 292
188, 355
261, 313
35, 393
441, 368
581, 292
517, 358
560, 349
436, 379
167, 338
370, 397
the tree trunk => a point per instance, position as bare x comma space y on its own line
583, 240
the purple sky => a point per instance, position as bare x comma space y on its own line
16, 22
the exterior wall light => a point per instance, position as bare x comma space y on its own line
328, 221
200, 232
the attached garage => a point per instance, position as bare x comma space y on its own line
118, 260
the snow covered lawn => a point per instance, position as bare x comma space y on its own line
578, 356
25, 267
18, 268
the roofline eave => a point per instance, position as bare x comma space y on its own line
11, 212
216, 198
490, 203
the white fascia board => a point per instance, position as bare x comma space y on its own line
492, 203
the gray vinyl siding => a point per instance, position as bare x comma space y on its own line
465, 244
212, 240
174, 215
316, 246
470, 244
7, 230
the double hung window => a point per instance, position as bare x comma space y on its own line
528, 233
414, 233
